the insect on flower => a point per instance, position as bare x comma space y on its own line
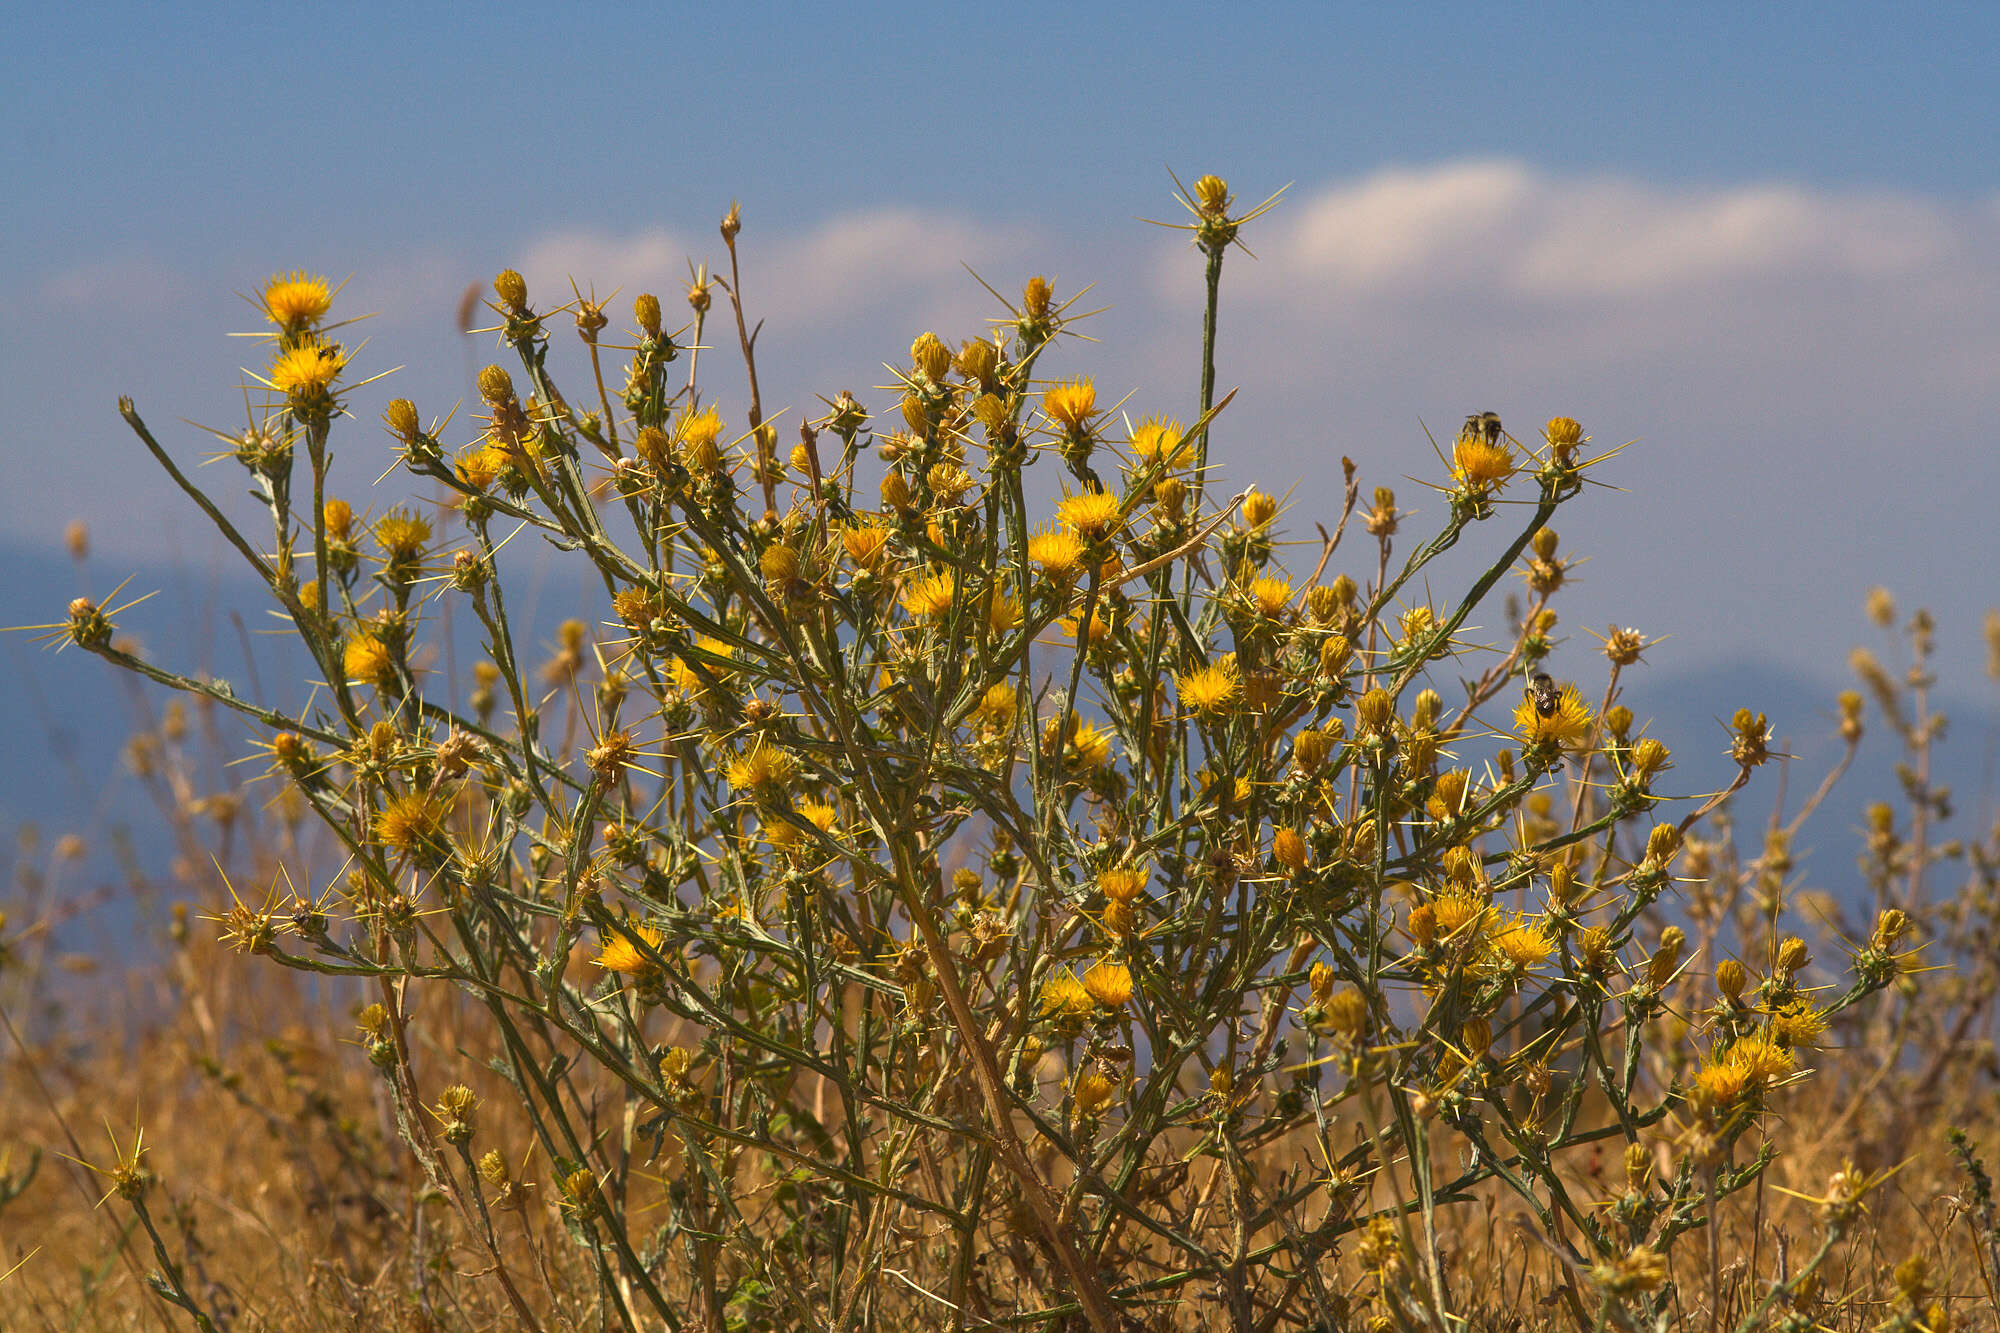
1481, 426
1542, 689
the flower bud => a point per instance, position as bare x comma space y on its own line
401, 417
512, 291
496, 386
646, 311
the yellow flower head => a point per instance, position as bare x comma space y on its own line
1797, 1024
695, 430
1565, 437
308, 370
1091, 1091
368, 659
1159, 441
1764, 1059
1271, 595
783, 834
1524, 944
1092, 514
1460, 910
761, 767
1568, 725
865, 543
1721, 1083
1482, 465
481, 465
1122, 884
1071, 405
402, 534
1098, 629
296, 301
1003, 612
1057, 551
930, 596
1212, 689
627, 951
1093, 745
1065, 996
684, 676
410, 821
1109, 984
1090, 743
996, 706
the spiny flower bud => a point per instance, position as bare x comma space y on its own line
1730, 978
1665, 958
654, 447
1565, 436
1334, 653
401, 417
1322, 604
1792, 955
496, 386
978, 360
1035, 298
1661, 844
1259, 509
646, 311
1648, 757
512, 290
1890, 928
1310, 749
930, 357
896, 492
1562, 884
732, 222
780, 564
1288, 849
1376, 710
1211, 195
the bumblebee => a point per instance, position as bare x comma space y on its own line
1482, 426
1543, 691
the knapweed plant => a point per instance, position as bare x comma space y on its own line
906, 902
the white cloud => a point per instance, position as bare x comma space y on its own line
1501, 228
909, 260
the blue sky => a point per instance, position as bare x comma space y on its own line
1762, 240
